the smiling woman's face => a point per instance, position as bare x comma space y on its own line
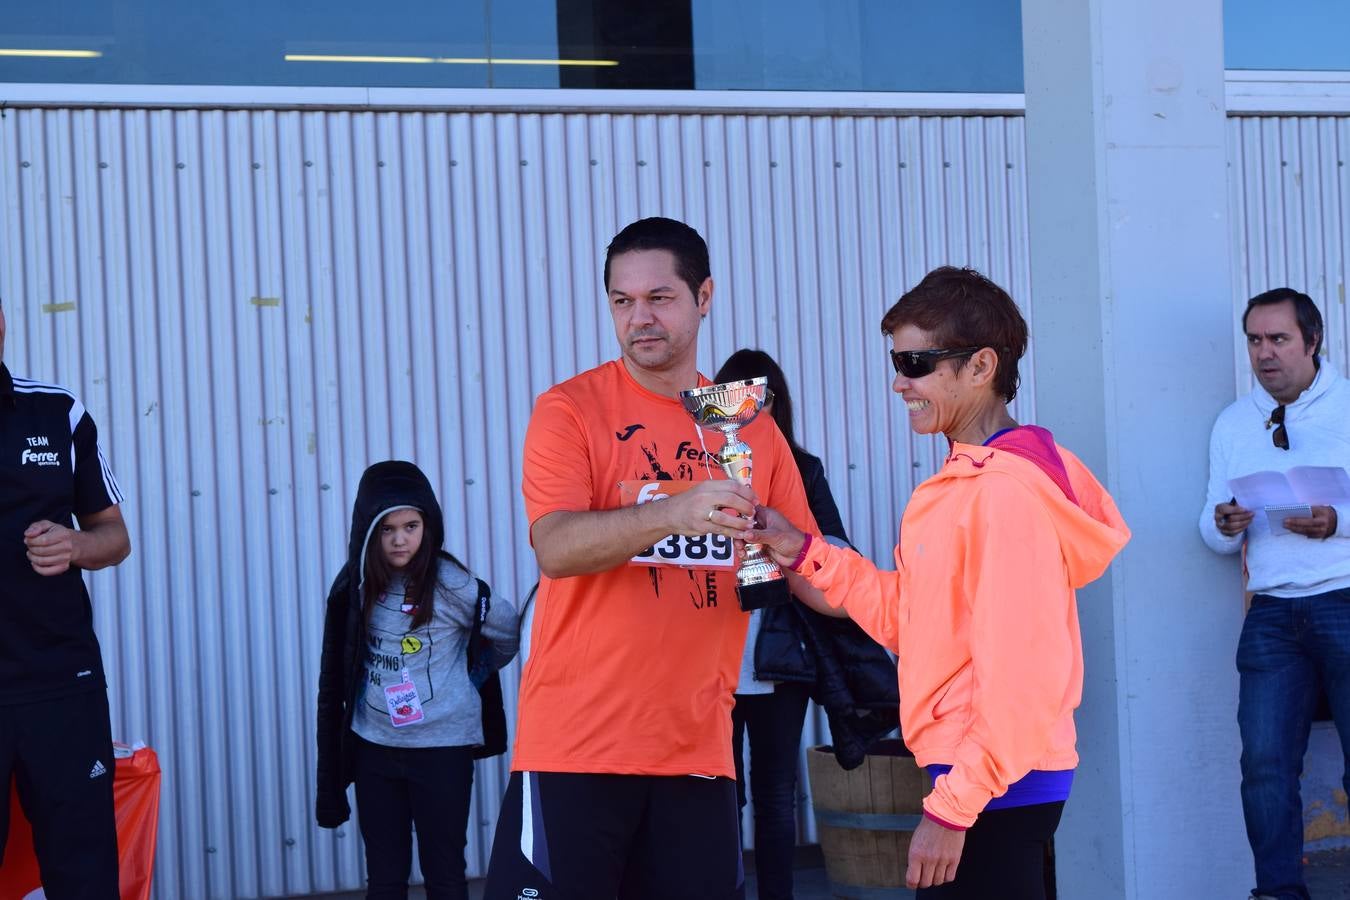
943, 400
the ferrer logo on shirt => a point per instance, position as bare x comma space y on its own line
33, 456
39, 457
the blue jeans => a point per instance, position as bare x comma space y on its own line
1288, 647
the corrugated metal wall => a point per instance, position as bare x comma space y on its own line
256, 304
1290, 189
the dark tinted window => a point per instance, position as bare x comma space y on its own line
831, 45
869, 45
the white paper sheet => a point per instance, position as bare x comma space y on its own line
1311, 485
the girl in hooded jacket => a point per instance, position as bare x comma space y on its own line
408, 691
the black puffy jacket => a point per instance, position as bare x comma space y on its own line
341, 673
849, 675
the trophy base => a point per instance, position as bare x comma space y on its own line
759, 581
765, 593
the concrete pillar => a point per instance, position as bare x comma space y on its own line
1133, 340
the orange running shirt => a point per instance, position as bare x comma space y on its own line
631, 671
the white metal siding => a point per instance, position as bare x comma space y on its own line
267, 301
1290, 188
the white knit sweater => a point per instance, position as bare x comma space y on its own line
1318, 422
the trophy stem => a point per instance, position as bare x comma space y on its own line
759, 580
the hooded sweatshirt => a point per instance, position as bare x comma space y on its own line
981, 611
1318, 422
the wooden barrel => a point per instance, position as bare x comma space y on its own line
865, 819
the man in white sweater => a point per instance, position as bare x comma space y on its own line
1296, 637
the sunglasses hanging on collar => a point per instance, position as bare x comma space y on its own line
1281, 435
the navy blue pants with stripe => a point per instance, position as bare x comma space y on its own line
59, 754
568, 836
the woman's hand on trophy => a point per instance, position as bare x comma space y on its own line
712, 507
778, 537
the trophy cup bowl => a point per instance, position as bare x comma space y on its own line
726, 408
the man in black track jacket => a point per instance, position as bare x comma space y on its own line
55, 737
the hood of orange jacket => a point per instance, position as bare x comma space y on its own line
1085, 518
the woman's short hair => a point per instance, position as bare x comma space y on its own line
962, 308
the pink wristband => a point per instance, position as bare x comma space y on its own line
943, 822
801, 554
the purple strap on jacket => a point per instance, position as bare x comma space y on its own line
1037, 786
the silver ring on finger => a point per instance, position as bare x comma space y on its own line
710, 515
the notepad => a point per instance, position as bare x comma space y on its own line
1275, 516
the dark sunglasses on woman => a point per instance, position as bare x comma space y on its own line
918, 363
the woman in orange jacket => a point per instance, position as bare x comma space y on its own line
980, 608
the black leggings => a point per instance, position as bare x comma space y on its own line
1004, 856
401, 790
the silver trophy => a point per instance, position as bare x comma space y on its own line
725, 408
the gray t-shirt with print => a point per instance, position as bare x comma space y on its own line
426, 667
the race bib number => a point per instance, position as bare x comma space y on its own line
699, 551
702, 551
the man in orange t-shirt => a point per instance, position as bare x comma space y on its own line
622, 780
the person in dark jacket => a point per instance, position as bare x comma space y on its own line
408, 688
791, 654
